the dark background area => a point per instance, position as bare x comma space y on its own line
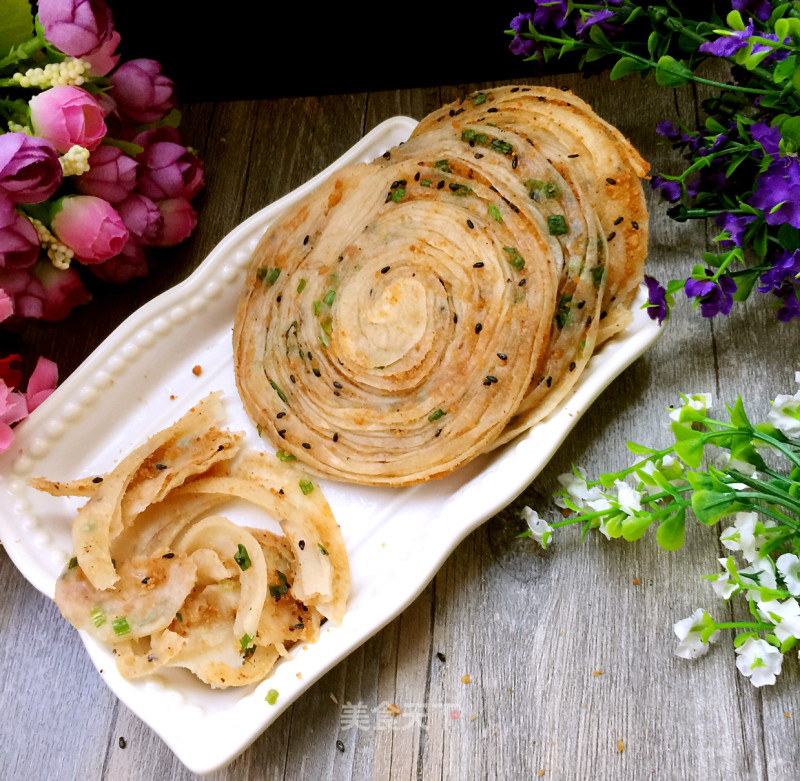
258, 49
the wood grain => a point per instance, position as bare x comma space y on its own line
569, 651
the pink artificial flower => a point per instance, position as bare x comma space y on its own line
6, 305
90, 227
30, 171
66, 116
42, 383
111, 176
76, 27
43, 292
19, 242
11, 370
142, 92
179, 221
168, 169
142, 218
130, 263
104, 58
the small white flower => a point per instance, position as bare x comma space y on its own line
789, 567
722, 584
741, 536
699, 402
541, 531
785, 616
761, 573
785, 414
759, 661
578, 490
630, 500
689, 631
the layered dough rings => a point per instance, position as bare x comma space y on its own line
417, 311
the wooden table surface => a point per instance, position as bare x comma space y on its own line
569, 651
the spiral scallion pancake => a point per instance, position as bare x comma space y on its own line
416, 311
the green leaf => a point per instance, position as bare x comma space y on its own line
625, 66
671, 532
710, 506
16, 24
633, 527
639, 449
652, 43
671, 72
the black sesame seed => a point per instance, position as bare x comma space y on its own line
635, 225
97, 479
573, 156
122, 742
337, 384
618, 220
416, 176
523, 282
282, 433
479, 156
168, 556
441, 657
161, 466
603, 315
455, 318
291, 377
491, 378
301, 544
581, 305
588, 321
340, 746
479, 264
470, 224
305, 240
385, 269
478, 327
611, 235
280, 415
335, 437
438, 431
549, 381
144, 580
502, 356
492, 110
440, 185
306, 446
515, 162
487, 381
572, 366
610, 180
317, 372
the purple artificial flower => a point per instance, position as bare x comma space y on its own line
130, 263
142, 218
785, 270
600, 18
19, 242
657, 308
30, 171
167, 168
778, 193
761, 9
141, 91
670, 190
550, 11
790, 308
112, 174
670, 132
728, 45
768, 137
76, 27
714, 297
519, 45
180, 219
736, 225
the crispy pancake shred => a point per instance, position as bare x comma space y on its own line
168, 582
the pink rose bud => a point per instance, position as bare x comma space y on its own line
29, 168
61, 289
111, 176
42, 382
142, 92
19, 242
179, 221
76, 27
90, 227
168, 170
13, 409
130, 263
142, 218
66, 116
104, 58
6, 305
25, 291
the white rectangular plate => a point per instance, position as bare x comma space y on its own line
140, 380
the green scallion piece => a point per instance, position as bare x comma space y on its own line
556, 224
442, 165
306, 486
284, 456
98, 616
322, 548
495, 212
317, 308
73, 562
261, 273
272, 696
426, 182
276, 592
329, 297
480, 98
241, 557
398, 194
245, 641
481, 138
597, 275
503, 147
467, 134
515, 259
281, 394
121, 626
273, 275
301, 285
435, 415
